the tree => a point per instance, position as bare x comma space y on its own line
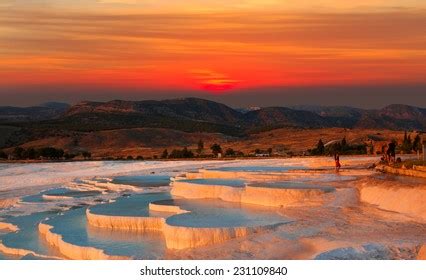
59, 154
51, 153
406, 145
336, 148
3, 155
165, 154
18, 153
187, 153
270, 151
344, 144
200, 147
184, 153
216, 149
31, 153
69, 156
129, 157
229, 152
417, 143
86, 155
175, 154
239, 154
320, 147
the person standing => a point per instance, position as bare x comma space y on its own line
391, 153
337, 162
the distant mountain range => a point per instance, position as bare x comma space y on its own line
196, 115
395, 117
45, 111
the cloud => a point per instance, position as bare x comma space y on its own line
242, 49
178, 6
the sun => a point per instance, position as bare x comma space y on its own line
219, 84
213, 81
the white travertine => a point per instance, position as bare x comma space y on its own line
265, 196
176, 237
73, 251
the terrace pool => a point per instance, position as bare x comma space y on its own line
221, 182
28, 236
143, 181
74, 229
211, 213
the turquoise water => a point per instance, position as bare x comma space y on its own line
73, 226
60, 192
143, 180
260, 168
210, 213
28, 236
221, 182
204, 213
3, 256
74, 229
135, 205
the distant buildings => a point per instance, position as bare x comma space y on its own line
262, 155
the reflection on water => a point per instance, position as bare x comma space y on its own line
211, 213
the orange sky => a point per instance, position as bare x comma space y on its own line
215, 47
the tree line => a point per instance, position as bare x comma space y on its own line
216, 151
50, 153
409, 145
339, 147
342, 147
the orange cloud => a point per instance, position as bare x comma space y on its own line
239, 50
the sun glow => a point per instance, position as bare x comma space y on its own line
215, 52
213, 81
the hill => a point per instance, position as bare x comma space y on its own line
126, 120
45, 111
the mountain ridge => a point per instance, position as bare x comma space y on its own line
196, 115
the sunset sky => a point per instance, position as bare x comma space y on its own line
334, 51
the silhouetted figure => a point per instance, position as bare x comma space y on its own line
391, 153
337, 162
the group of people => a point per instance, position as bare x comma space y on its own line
388, 157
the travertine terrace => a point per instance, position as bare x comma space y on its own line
298, 209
